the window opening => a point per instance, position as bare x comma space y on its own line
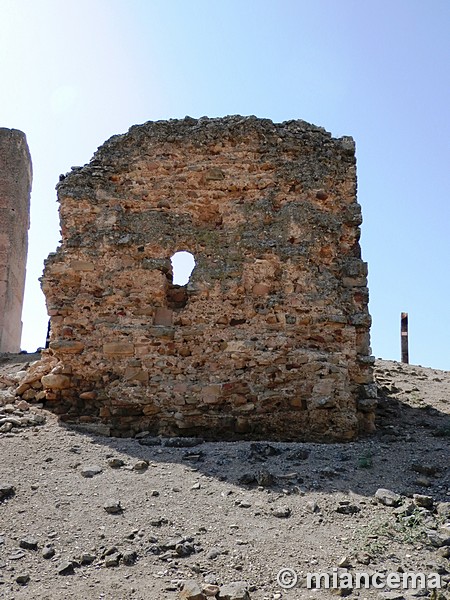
183, 264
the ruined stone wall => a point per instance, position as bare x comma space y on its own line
15, 187
270, 337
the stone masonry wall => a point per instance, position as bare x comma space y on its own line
15, 187
270, 337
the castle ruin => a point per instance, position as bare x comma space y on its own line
15, 188
270, 336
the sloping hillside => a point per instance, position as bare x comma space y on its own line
83, 516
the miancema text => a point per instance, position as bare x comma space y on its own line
343, 579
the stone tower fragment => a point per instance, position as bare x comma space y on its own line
269, 338
15, 187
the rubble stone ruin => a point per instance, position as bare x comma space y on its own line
270, 336
15, 187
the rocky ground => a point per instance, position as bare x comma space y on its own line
87, 517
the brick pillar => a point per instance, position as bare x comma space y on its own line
15, 187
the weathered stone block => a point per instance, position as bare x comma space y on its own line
118, 349
56, 382
69, 346
163, 316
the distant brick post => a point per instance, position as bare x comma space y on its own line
404, 337
15, 187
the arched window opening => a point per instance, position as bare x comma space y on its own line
183, 264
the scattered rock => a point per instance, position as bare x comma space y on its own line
210, 590
197, 456
14, 421
363, 558
312, 506
17, 555
345, 508
92, 471
113, 507
66, 568
391, 596
328, 473
48, 552
387, 497
23, 578
282, 512
140, 465
443, 509
113, 560
265, 478
213, 553
149, 441
116, 463
129, 557
425, 469
23, 405
238, 590
6, 397
247, 479
191, 591
406, 509
181, 442
444, 551
423, 481
87, 558
439, 538
262, 451
184, 549
299, 454
172, 543
29, 543
6, 491
423, 501
344, 563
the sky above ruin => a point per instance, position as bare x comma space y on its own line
73, 73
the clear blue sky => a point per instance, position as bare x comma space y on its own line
73, 73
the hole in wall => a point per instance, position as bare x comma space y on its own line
183, 264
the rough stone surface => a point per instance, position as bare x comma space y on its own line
112, 506
191, 591
269, 338
92, 471
29, 543
15, 188
238, 590
387, 497
6, 490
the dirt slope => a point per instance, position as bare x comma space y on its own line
221, 512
